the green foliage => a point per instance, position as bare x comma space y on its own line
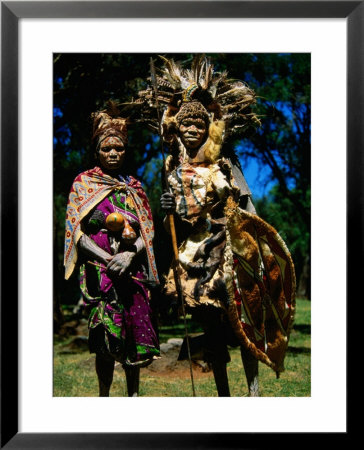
281, 148
280, 212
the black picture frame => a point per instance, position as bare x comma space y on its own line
11, 12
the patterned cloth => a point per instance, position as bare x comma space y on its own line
120, 315
88, 189
195, 188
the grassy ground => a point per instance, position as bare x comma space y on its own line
74, 372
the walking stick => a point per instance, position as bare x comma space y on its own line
172, 227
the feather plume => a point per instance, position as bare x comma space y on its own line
225, 99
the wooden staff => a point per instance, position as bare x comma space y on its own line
172, 227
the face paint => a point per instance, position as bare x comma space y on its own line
111, 153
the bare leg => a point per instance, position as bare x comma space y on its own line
251, 371
105, 372
132, 380
221, 378
215, 349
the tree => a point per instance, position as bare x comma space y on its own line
283, 145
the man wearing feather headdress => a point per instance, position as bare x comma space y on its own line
236, 273
109, 233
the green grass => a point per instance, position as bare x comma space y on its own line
75, 376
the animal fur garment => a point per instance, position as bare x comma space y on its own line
231, 259
246, 271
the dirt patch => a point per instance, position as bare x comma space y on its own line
168, 364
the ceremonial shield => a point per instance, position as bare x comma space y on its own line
260, 278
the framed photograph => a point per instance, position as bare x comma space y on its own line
37, 413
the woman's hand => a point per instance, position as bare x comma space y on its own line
89, 248
120, 263
168, 203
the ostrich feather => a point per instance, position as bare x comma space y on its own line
172, 72
224, 98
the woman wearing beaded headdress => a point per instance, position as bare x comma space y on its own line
236, 273
109, 233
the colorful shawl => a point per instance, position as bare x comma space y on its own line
88, 189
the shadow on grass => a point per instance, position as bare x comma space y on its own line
179, 329
299, 350
302, 328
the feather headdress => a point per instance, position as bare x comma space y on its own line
223, 99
